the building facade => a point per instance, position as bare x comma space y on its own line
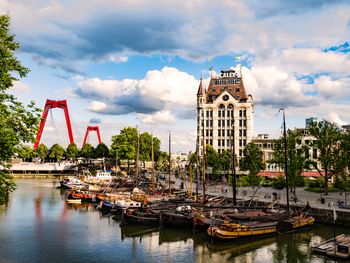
225, 117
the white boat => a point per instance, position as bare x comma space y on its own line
124, 204
71, 183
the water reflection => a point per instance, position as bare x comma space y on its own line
38, 226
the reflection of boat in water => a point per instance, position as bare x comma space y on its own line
241, 246
132, 231
167, 235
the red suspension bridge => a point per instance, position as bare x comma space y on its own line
62, 104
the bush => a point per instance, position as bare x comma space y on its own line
279, 183
318, 183
299, 181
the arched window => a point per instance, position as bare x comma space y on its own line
222, 106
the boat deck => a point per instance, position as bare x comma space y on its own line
338, 249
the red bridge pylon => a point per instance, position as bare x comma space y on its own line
50, 104
92, 128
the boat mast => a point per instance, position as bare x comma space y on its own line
285, 158
203, 165
197, 164
153, 188
190, 171
137, 155
169, 168
234, 193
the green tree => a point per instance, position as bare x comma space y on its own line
226, 161
327, 139
146, 147
162, 163
41, 151
87, 152
25, 152
18, 123
101, 150
72, 151
56, 152
297, 157
252, 162
124, 145
213, 161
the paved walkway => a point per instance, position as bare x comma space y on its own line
266, 194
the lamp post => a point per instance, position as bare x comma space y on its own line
285, 158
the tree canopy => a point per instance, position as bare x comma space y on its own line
297, 157
327, 140
18, 122
252, 162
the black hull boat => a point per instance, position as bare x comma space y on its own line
136, 217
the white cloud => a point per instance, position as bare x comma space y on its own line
166, 89
97, 106
334, 117
19, 86
163, 116
307, 61
272, 86
170, 85
330, 89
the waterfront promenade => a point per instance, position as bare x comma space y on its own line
266, 195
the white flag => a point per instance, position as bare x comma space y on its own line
334, 214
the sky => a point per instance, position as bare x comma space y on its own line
138, 62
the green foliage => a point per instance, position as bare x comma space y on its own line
7, 185
18, 123
124, 144
162, 163
341, 182
101, 150
25, 152
279, 182
87, 151
213, 160
56, 152
72, 151
41, 151
146, 147
297, 160
318, 183
252, 162
331, 156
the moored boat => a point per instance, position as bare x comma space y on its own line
137, 217
234, 231
71, 199
257, 228
180, 218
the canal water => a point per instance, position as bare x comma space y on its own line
38, 226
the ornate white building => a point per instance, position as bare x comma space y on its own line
224, 112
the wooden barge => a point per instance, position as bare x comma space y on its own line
338, 249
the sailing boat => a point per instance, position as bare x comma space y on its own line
257, 228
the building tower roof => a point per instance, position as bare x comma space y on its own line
201, 90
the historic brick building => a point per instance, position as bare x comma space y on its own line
224, 112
